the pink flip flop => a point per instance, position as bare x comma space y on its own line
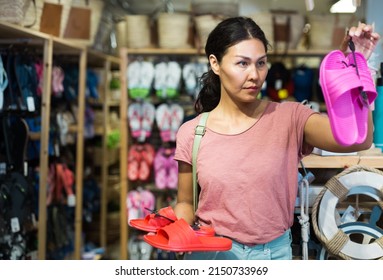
133, 202
180, 237
362, 109
339, 84
148, 201
172, 178
160, 169
57, 81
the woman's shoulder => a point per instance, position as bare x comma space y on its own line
189, 124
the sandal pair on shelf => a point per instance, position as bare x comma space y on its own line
140, 161
165, 169
141, 118
167, 232
348, 90
140, 75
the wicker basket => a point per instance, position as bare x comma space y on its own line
173, 30
224, 8
204, 25
137, 30
13, 11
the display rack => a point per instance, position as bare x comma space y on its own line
49, 46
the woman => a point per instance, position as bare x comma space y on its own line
248, 158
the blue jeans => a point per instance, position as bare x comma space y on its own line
277, 249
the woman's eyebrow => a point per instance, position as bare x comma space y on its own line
246, 57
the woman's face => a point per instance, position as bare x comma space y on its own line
242, 71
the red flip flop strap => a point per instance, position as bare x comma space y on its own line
168, 212
179, 233
156, 221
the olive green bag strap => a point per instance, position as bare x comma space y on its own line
198, 133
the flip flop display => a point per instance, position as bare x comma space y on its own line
180, 237
163, 217
340, 85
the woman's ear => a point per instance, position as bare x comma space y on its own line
214, 64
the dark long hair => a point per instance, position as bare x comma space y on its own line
226, 34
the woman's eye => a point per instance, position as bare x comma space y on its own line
243, 63
261, 63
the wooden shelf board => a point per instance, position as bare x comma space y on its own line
195, 51
316, 161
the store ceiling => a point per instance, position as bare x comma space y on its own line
245, 6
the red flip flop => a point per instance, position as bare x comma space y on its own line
163, 217
180, 237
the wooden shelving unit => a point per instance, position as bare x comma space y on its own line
107, 63
49, 46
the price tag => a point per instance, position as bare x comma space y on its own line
31, 104
278, 84
71, 200
15, 225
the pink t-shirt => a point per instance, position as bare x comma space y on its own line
249, 180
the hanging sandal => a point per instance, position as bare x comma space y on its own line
339, 84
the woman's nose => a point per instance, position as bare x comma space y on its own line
253, 72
